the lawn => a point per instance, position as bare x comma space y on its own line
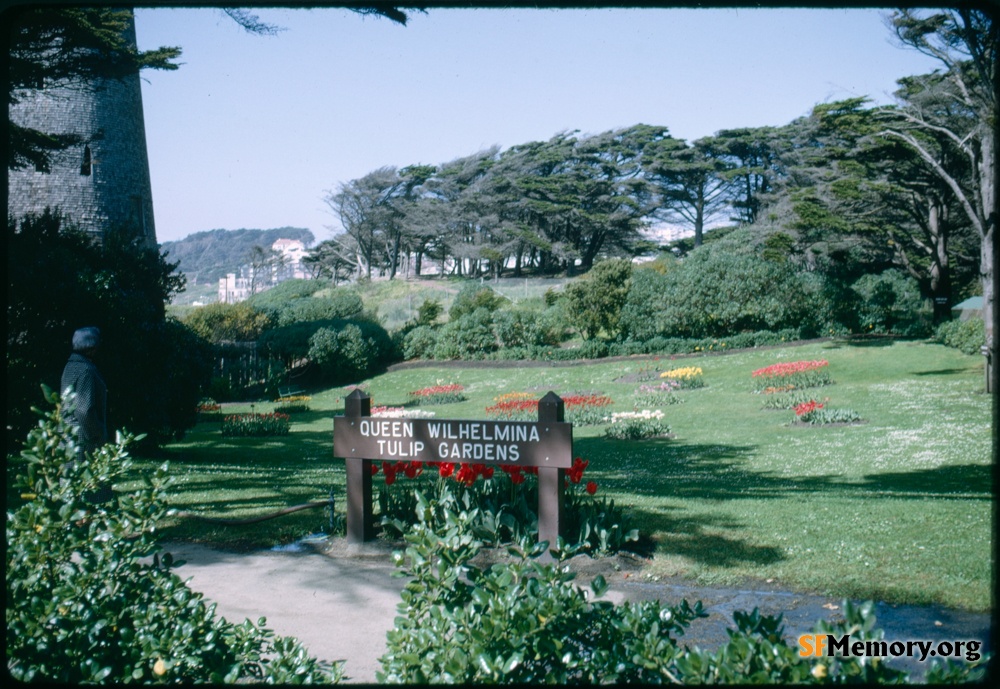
897, 508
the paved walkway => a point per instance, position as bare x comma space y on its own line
340, 602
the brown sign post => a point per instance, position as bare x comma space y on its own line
361, 439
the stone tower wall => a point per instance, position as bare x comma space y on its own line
102, 182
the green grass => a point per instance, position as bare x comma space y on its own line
897, 508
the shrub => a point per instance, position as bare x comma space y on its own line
639, 320
721, 289
255, 425
517, 329
90, 599
472, 297
220, 322
891, 303
428, 312
637, 425
420, 342
527, 622
350, 350
967, 336
594, 303
468, 337
520, 622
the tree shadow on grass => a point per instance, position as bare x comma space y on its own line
946, 371
720, 472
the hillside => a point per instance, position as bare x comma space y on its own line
207, 256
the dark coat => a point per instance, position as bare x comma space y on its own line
88, 412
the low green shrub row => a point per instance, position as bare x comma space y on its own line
966, 336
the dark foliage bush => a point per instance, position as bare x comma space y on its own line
594, 303
890, 303
349, 351
59, 280
420, 342
469, 336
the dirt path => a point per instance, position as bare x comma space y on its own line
340, 601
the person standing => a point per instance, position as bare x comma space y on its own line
88, 410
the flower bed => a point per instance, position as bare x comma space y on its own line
401, 413
791, 375
505, 497
586, 409
438, 394
815, 414
658, 395
513, 406
637, 425
256, 425
688, 377
293, 404
209, 411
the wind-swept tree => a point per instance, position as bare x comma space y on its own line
965, 41
691, 181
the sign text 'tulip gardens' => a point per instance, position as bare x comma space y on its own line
520, 443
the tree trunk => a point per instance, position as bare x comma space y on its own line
987, 175
940, 276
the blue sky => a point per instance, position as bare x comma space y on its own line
254, 131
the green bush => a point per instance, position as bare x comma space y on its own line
469, 336
640, 314
890, 303
521, 622
472, 297
967, 336
293, 302
350, 350
721, 289
220, 322
594, 303
90, 599
419, 343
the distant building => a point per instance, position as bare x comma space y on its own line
292, 252
235, 287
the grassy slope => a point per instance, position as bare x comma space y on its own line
896, 509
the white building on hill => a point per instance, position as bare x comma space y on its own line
236, 287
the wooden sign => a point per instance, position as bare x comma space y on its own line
514, 443
361, 439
